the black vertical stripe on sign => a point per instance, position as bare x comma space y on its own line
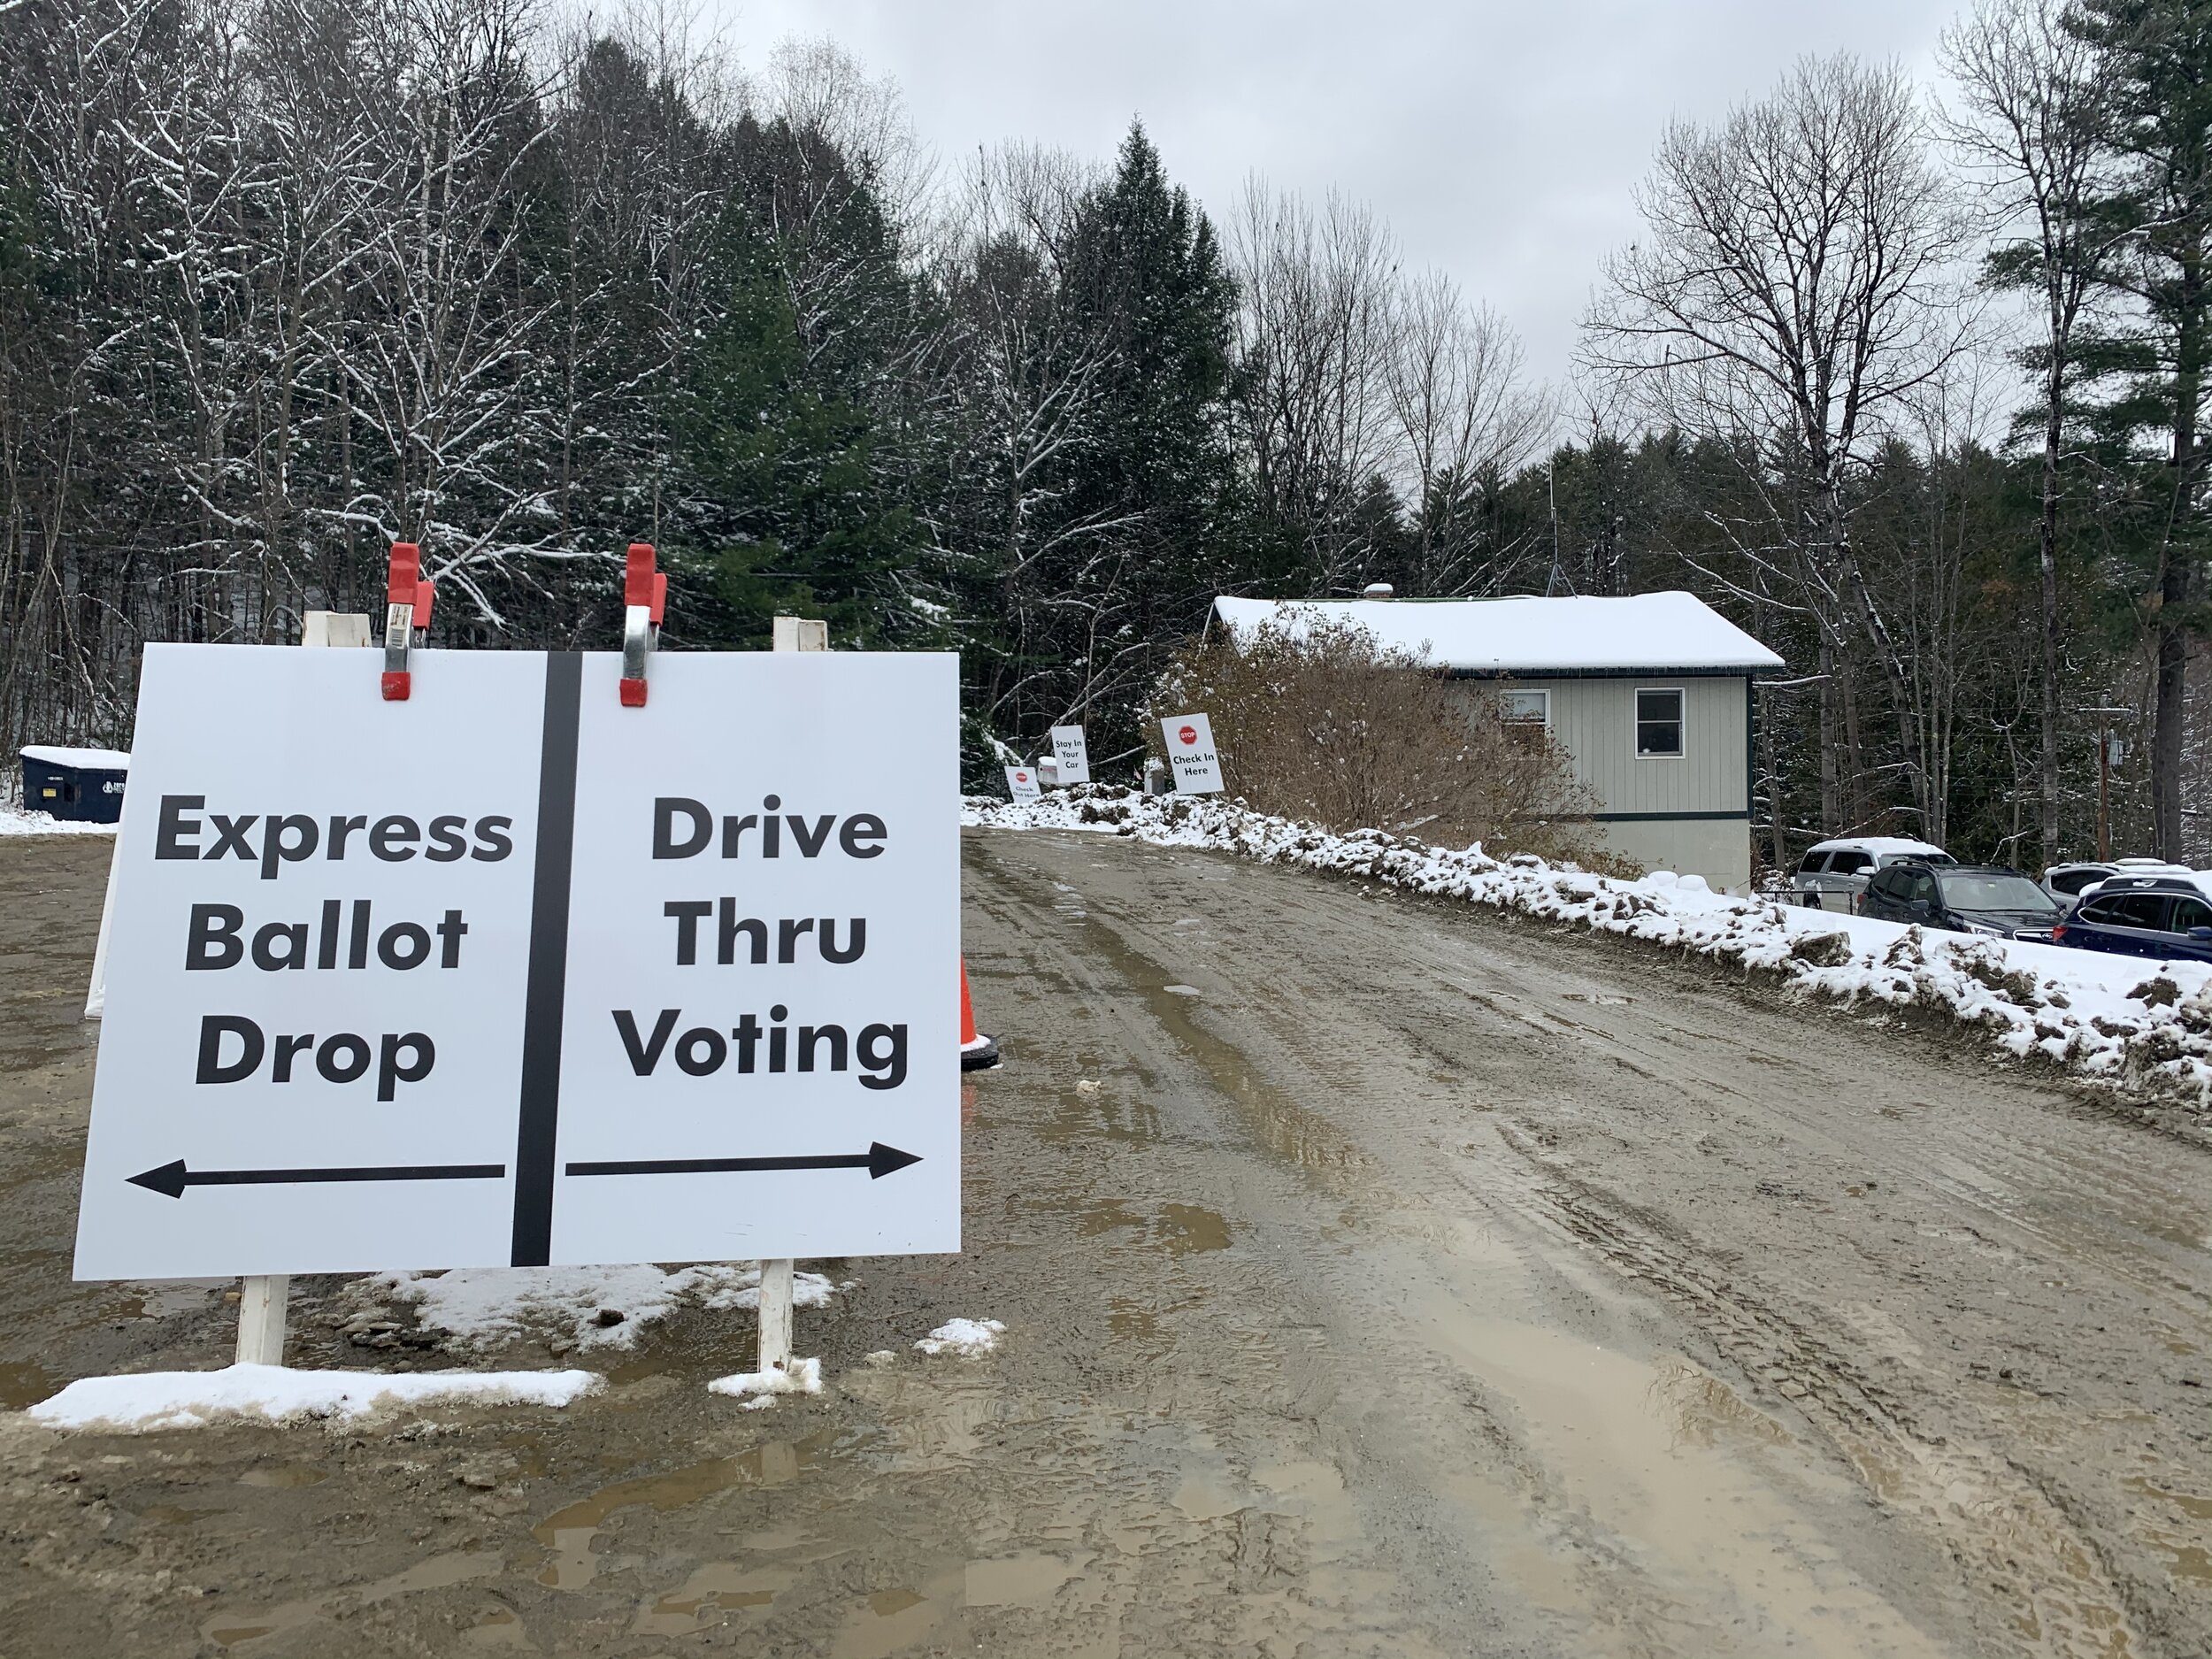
549, 963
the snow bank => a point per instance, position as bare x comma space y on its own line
964, 1338
273, 1393
15, 821
486, 1306
759, 1388
2140, 1025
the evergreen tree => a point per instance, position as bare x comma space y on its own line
2158, 54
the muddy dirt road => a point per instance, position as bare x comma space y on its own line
1380, 1278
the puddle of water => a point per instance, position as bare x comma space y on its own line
1202, 1497
717, 1587
24, 1383
172, 1514
1025, 1581
568, 1532
1179, 1229
1705, 1530
1109, 1215
1090, 1110
1131, 1322
892, 1620
2191, 1561
2195, 1508
497, 1631
1704, 1410
231, 1630
1189, 1230
285, 1477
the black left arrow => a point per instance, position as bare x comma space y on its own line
171, 1180
878, 1160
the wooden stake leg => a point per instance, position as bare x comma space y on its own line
775, 1315
261, 1308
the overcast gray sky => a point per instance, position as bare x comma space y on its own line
1499, 140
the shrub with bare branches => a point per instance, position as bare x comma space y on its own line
1315, 720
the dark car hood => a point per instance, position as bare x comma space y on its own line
2039, 921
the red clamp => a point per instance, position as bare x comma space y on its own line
645, 599
407, 598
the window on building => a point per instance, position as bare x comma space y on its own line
1525, 708
1658, 723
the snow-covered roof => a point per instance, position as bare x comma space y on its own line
85, 759
1641, 634
1880, 845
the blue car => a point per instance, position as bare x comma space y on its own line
2164, 917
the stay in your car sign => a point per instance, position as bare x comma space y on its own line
508, 973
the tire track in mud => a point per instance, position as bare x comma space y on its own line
2004, 1530
2046, 1191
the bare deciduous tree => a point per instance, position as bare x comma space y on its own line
1793, 290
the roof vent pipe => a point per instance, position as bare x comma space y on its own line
1376, 590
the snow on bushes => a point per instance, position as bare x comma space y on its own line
2144, 1026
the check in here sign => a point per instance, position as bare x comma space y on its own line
508, 973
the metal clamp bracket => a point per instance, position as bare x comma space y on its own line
407, 599
645, 600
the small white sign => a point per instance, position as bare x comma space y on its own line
1071, 750
1021, 782
1190, 754
509, 974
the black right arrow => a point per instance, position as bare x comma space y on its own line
878, 1160
171, 1180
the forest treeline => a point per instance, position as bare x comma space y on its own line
1908, 385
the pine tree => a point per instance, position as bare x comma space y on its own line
2159, 57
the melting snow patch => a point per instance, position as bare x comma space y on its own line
15, 821
2139, 1025
964, 1339
759, 1388
273, 1393
593, 1307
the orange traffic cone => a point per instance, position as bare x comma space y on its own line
977, 1051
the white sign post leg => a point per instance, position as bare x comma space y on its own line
261, 1309
775, 1314
261, 1297
792, 633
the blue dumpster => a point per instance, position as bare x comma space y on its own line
86, 784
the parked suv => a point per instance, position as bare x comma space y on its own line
1833, 874
1987, 899
2067, 883
2165, 917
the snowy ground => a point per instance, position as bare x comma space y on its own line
15, 821
577, 1307
2143, 1025
275, 1393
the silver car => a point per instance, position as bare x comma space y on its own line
1833, 874
2069, 883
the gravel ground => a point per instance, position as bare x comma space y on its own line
1380, 1276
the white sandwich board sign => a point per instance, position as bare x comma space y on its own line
1190, 754
1021, 783
508, 973
1071, 749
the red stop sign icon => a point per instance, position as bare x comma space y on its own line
1021, 776
1189, 734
